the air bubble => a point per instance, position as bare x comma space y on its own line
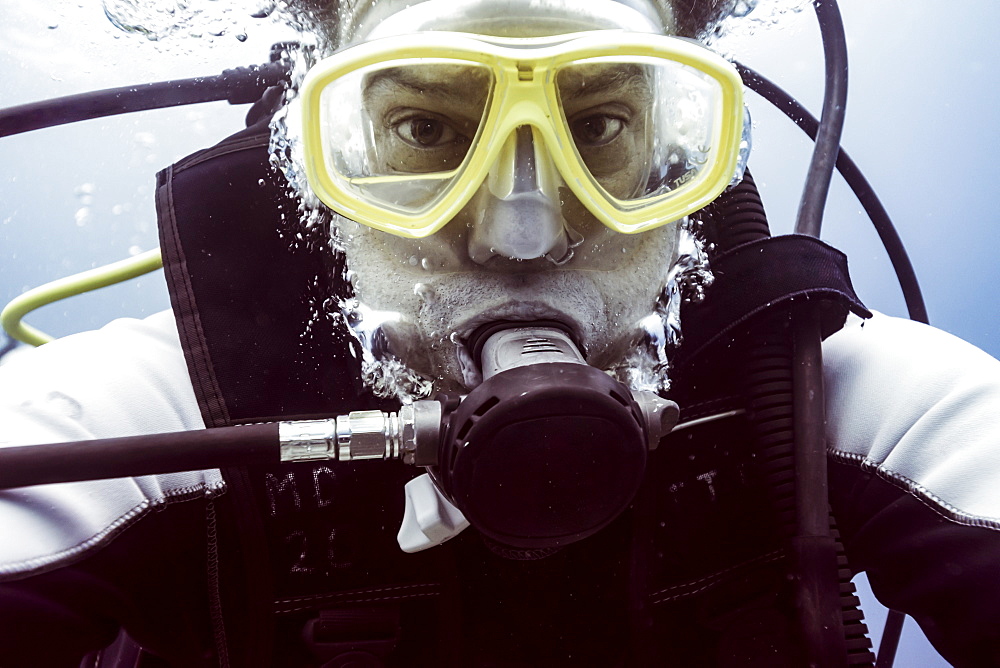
381, 371
646, 365
425, 292
743, 7
264, 9
82, 216
145, 139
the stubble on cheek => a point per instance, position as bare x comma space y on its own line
603, 306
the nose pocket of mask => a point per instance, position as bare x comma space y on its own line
519, 214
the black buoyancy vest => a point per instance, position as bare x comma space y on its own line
693, 572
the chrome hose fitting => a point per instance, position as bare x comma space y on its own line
411, 435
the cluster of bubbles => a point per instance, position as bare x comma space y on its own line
646, 366
85, 196
381, 371
285, 147
751, 17
193, 18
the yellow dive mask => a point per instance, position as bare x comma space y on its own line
399, 133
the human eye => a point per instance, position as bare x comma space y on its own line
610, 139
424, 130
596, 129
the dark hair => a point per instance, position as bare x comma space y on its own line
697, 18
317, 17
694, 18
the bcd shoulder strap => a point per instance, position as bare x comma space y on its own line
251, 289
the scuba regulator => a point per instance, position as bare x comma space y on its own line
546, 451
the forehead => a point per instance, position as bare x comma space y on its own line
504, 18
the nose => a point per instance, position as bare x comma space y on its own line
520, 216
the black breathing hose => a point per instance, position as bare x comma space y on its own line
786, 404
831, 126
242, 85
810, 453
891, 241
813, 548
21, 466
736, 217
890, 639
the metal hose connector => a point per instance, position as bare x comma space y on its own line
410, 435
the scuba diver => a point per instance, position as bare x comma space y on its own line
476, 254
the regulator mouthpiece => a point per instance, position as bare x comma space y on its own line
547, 450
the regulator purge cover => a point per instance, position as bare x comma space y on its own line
544, 455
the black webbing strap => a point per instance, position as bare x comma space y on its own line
252, 288
758, 277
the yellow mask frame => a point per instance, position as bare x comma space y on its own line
524, 94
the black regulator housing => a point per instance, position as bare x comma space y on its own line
545, 453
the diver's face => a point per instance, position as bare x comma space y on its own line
524, 248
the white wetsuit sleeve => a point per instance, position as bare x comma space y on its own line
125, 379
913, 436
919, 407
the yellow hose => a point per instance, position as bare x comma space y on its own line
11, 318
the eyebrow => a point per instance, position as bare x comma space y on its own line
614, 78
399, 77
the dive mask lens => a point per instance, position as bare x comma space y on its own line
645, 131
642, 137
394, 135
